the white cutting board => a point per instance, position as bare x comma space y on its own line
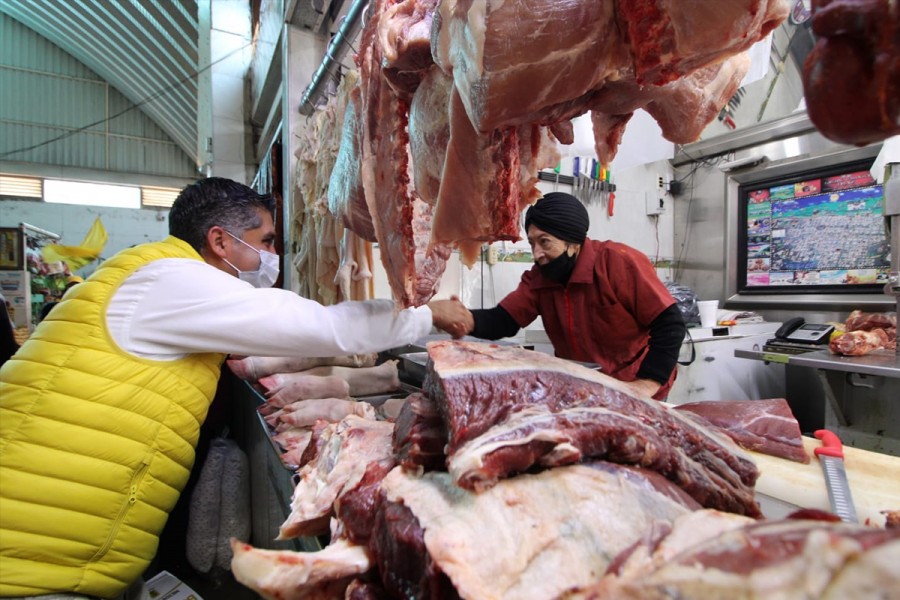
874, 483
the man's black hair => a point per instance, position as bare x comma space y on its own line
216, 201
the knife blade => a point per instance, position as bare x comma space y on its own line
831, 457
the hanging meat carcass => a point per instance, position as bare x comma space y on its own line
401, 220
543, 61
851, 79
346, 198
459, 169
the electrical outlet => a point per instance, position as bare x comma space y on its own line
660, 182
656, 203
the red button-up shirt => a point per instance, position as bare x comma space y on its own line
603, 314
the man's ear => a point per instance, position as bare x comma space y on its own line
215, 241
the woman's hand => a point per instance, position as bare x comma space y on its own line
452, 316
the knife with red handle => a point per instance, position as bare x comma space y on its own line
831, 457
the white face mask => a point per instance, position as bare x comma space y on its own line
265, 274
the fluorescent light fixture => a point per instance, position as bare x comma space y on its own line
21, 187
741, 163
91, 194
158, 196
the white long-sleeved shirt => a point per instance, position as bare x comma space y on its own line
176, 306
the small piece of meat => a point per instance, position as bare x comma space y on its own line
766, 426
287, 575
886, 321
858, 343
286, 388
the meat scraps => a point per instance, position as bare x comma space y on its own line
507, 409
346, 453
286, 575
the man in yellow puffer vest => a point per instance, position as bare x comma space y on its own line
101, 408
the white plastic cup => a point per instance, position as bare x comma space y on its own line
708, 311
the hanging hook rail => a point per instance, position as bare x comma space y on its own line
334, 53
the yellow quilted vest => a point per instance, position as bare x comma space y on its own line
95, 444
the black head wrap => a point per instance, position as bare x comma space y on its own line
561, 215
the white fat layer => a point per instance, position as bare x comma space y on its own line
532, 536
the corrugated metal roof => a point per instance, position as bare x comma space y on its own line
146, 49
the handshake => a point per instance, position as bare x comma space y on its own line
452, 316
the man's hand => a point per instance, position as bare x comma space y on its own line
644, 387
452, 316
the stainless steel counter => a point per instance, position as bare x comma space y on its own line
885, 363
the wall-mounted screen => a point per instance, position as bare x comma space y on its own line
813, 232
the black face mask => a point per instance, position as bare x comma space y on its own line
560, 268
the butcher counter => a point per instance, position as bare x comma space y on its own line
862, 394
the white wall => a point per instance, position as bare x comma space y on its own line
125, 227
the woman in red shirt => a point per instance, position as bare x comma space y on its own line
599, 301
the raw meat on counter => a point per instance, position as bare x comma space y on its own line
254, 368
791, 558
766, 426
507, 409
592, 530
866, 332
858, 343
